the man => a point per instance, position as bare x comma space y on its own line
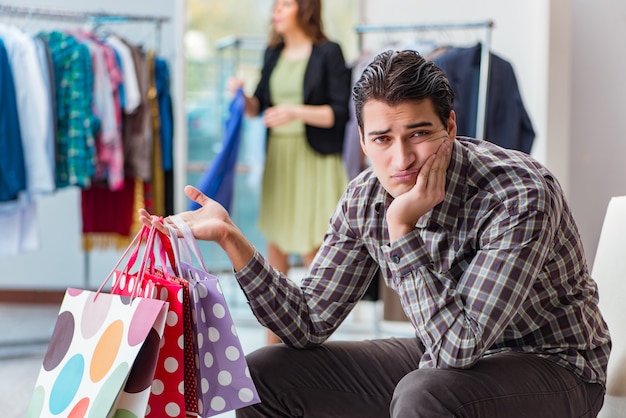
480, 245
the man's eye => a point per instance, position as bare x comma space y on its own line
380, 139
420, 136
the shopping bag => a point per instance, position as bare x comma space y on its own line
191, 401
101, 356
223, 378
168, 390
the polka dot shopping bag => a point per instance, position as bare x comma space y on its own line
101, 357
222, 376
168, 395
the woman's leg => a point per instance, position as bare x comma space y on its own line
336, 379
511, 385
307, 259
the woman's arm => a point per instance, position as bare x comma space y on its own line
321, 116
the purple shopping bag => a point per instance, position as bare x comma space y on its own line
223, 378
223, 381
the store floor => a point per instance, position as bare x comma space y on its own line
26, 328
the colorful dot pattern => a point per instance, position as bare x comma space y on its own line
89, 361
222, 375
167, 397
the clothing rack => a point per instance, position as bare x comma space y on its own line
250, 43
94, 19
486, 26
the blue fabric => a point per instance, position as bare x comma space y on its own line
162, 82
218, 181
120, 88
12, 166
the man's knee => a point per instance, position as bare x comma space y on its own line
266, 365
423, 393
268, 361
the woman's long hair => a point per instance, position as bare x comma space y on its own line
309, 18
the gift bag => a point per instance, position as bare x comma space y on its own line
191, 401
167, 397
223, 379
101, 357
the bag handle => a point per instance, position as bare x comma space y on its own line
163, 247
174, 240
147, 256
188, 240
135, 245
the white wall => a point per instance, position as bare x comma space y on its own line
598, 88
60, 262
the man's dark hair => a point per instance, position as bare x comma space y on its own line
394, 77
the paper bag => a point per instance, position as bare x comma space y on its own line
90, 367
167, 397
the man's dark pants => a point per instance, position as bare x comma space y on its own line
380, 378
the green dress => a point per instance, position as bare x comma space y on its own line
301, 187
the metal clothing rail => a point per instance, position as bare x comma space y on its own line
250, 43
95, 18
486, 26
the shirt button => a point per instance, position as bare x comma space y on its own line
395, 258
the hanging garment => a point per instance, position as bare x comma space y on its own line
35, 134
106, 108
47, 74
132, 94
107, 215
353, 157
76, 145
137, 127
33, 108
507, 123
12, 167
162, 81
158, 175
218, 181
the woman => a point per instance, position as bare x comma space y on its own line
303, 95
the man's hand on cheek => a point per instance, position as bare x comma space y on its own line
428, 192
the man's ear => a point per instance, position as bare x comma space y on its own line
451, 128
362, 141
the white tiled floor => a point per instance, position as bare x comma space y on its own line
25, 330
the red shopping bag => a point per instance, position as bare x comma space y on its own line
190, 370
167, 397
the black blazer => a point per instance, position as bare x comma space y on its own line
507, 123
326, 81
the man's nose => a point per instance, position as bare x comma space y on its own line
403, 154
